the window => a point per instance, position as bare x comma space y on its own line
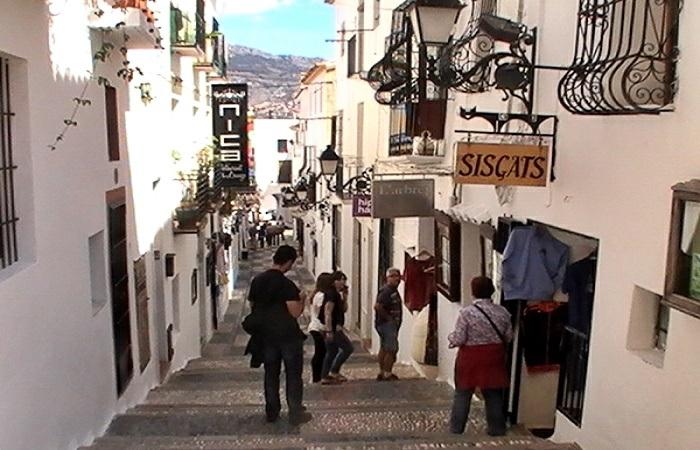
282, 146
352, 56
98, 271
683, 262
8, 213
112, 116
339, 133
625, 58
448, 253
360, 35
377, 13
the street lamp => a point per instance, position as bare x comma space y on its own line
329, 160
433, 20
288, 194
302, 191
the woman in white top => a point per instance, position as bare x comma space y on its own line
317, 330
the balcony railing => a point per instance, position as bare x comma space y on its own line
219, 59
187, 30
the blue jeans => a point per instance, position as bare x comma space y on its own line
337, 352
292, 353
495, 414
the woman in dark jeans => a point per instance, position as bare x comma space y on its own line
324, 283
338, 346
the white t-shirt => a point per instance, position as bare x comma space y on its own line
316, 304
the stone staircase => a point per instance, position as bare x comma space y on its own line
216, 403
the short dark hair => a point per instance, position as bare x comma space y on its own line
338, 275
482, 287
324, 282
284, 254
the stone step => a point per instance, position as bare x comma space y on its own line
151, 420
414, 441
235, 359
349, 395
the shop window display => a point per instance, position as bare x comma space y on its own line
683, 265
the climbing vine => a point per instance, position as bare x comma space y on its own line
126, 71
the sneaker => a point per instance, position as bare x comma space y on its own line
338, 377
330, 380
381, 377
299, 418
392, 377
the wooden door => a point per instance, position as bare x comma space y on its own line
119, 283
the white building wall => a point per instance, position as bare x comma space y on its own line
57, 357
614, 178
267, 159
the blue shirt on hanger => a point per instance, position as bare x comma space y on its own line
534, 264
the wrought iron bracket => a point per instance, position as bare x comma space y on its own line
536, 126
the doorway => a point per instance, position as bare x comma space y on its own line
357, 274
119, 284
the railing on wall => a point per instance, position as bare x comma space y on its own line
572, 378
625, 62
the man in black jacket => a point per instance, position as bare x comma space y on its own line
276, 304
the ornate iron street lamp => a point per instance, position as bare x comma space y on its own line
433, 20
329, 160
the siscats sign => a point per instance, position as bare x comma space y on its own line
502, 164
230, 128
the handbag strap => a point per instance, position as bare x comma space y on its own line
493, 325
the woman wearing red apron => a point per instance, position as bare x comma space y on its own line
482, 332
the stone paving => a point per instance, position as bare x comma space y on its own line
216, 403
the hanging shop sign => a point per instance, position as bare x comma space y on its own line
230, 128
502, 164
403, 198
362, 206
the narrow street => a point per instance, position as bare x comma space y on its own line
216, 403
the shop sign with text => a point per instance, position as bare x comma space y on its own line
362, 206
230, 128
502, 164
403, 198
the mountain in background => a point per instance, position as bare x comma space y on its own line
272, 79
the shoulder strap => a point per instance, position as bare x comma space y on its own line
493, 325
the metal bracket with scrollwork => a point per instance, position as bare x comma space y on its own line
357, 185
625, 59
543, 127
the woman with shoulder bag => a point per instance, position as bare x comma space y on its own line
482, 333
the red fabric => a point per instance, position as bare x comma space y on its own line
481, 366
419, 283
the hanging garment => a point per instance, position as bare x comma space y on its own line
432, 343
534, 264
579, 284
542, 332
419, 282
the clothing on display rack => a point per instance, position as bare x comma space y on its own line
542, 331
579, 284
534, 264
419, 281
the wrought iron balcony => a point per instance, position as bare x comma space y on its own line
625, 62
188, 30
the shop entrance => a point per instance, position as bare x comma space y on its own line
357, 274
549, 356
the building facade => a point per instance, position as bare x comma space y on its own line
108, 282
616, 138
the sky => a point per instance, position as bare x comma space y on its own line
280, 27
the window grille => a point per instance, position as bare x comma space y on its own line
8, 213
625, 62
